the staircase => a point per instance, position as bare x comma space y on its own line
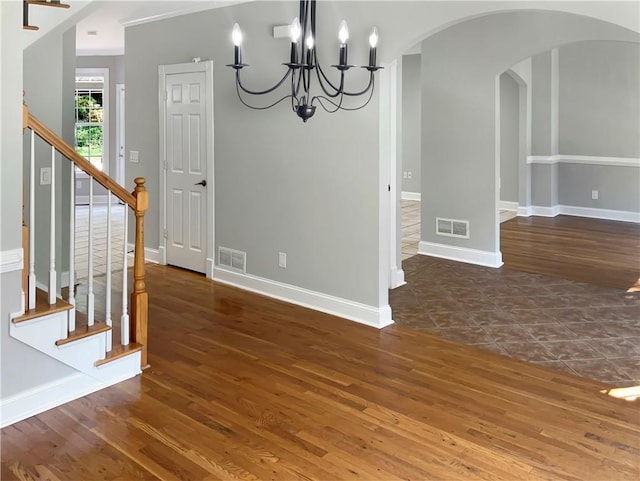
56, 321
42, 3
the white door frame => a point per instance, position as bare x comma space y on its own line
163, 71
391, 274
120, 134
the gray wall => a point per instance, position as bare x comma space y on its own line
600, 99
310, 190
618, 187
599, 111
509, 138
411, 123
22, 367
541, 107
458, 111
54, 54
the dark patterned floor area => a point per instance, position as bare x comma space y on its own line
582, 329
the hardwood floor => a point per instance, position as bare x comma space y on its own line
599, 252
246, 387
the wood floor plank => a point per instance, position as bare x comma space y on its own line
250, 388
596, 251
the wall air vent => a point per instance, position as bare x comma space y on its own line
452, 227
232, 259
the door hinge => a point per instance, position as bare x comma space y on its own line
165, 95
166, 234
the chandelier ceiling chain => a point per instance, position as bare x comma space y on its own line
304, 68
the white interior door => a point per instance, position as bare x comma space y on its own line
186, 178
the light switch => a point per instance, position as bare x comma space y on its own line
45, 176
134, 156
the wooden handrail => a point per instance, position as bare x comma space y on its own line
68, 151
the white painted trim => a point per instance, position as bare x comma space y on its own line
11, 260
461, 254
411, 196
47, 396
584, 159
545, 211
396, 278
607, 214
508, 205
525, 211
378, 317
150, 255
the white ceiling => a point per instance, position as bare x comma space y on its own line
108, 18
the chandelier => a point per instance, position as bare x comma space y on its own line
304, 68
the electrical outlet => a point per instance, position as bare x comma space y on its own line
594, 194
282, 260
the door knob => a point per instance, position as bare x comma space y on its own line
203, 183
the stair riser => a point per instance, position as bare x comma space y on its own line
42, 333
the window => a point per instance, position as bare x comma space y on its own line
91, 116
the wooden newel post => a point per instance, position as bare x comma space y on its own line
139, 296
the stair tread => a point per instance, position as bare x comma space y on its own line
83, 331
43, 308
48, 4
119, 352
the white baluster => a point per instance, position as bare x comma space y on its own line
72, 249
32, 224
108, 293
90, 296
53, 288
124, 320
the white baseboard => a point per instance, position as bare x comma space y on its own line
411, 196
545, 211
461, 254
620, 215
51, 395
150, 255
396, 278
378, 317
525, 211
11, 260
594, 213
508, 205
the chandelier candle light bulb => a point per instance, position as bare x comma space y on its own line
373, 42
309, 44
236, 37
295, 31
343, 35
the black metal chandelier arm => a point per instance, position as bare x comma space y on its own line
259, 108
320, 100
336, 91
261, 92
365, 90
339, 91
